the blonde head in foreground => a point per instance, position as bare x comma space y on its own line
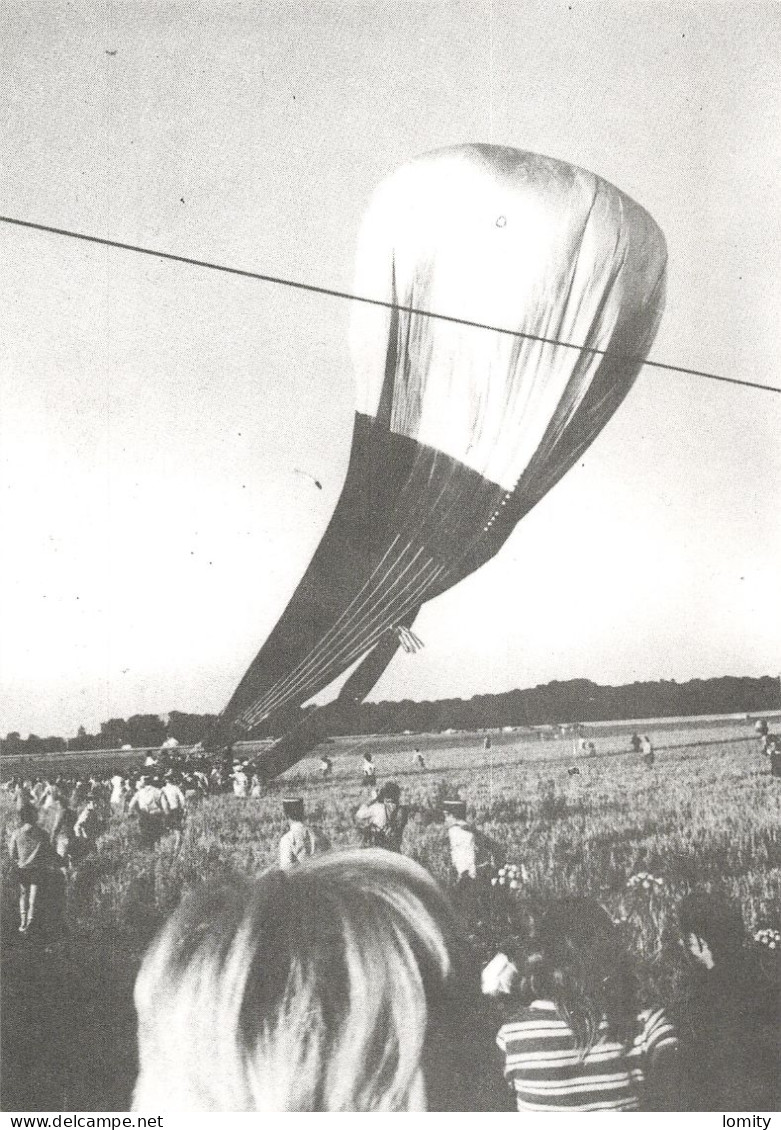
309, 990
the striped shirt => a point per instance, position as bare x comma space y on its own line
542, 1064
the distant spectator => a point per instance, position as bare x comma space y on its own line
382, 821
176, 804
774, 753
576, 1038
487, 743
151, 807
31, 857
87, 827
368, 769
636, 742
58, 821
23, 795
419, 760
240, 781
255, 787
78, 795
648, 751
326, 765
727, 1014
116, 797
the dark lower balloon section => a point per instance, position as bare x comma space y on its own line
409, 524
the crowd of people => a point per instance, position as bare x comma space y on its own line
350, 980
345, 981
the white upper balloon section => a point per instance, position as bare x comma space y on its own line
523, 242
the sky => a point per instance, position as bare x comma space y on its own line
158, 423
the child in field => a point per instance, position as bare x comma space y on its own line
575, 1038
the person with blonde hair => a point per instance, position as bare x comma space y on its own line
320, 988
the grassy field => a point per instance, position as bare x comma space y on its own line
705, 815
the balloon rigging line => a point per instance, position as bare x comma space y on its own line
277, 280
355, 640
332, 634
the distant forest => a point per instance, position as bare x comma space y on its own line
578, 700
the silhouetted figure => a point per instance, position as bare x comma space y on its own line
728, 1015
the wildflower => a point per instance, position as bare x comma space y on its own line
643, 880
769, 938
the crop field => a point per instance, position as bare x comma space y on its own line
706, 815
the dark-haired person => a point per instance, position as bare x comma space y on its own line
382, 821
576, 1037
729, 1012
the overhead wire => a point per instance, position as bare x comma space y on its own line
330, 292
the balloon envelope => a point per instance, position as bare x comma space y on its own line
460, 430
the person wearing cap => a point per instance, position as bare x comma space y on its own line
368, 769
382, 821
298, 842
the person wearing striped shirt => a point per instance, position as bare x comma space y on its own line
574, 1037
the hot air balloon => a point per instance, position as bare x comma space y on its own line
459, 430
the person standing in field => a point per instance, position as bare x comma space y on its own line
473, 857
299, 842
31, 856
575, 1037
87, 827
636, 742
116, 799
240, 781
58, 820
368, 769
472, 854
648, 752
326, 766
381, 822
176, 803
418, 760
151, 807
